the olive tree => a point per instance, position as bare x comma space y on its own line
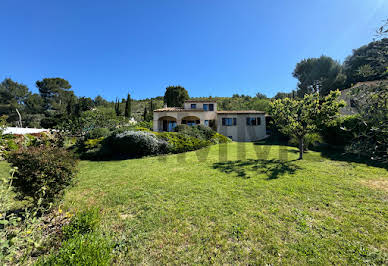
299, 117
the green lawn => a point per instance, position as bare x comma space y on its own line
252, 209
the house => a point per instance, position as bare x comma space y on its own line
237, 125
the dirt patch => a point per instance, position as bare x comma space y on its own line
381, 184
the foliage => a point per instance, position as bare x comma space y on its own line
372, 105
42, 172
243, 102
89, 249
82, 223
320, 75
298, 118
135, 144
99, 132
175, 96
128, 111
310, 140
145, 124
178, 142
91, 120
382, 31
342, 131
13, 96
369, 62
56, 93
22, 233
202, 132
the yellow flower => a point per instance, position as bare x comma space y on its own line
60, 210
28, 232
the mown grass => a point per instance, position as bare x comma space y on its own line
253, 207
237, 204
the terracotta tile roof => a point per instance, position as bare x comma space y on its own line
241, 112
200, 101
177, 109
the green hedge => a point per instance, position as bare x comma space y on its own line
178, 142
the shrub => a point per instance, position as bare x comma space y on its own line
42, 172
219, 138
82, 223
97, 133
342, 131
178, 142
88, 249
310, 140
135, 144
145, 124
197, 131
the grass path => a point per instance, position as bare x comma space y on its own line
254, 207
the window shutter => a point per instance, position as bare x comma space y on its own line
234, 121
258, 121
248, 121
223, 121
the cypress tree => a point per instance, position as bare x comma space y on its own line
128, 107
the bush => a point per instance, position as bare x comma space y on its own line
97, 133
218, 138
83, 223
42, 172
197, 131
88, 249
178, 142
309, 141
342, 131
135, 144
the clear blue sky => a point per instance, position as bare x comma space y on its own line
211, 47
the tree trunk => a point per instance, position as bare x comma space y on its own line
301, 148
20, 118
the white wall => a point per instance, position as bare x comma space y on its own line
241, 131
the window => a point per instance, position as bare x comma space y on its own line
193, 106
205, 107
206, 123
253, 121
229, 121
231, 137
211, 107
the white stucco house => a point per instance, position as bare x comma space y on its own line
245, 125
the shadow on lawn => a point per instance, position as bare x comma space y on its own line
272, 168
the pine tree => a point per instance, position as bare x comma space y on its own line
128, 107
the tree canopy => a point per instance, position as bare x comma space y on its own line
320, 75
175, 96
369, 62
299, 117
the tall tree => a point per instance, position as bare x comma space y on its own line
99, 101
13, 96
175, 96
297, 118
145, 114
128, 112
371, 134
369, 62
34, 104
320, 75
117, 107
54, 91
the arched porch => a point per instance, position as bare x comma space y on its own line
191, 120
167, 123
